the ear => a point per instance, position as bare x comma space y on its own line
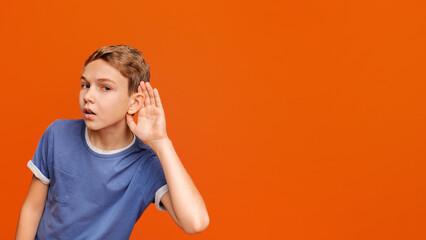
136, 102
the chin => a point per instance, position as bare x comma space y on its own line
90, 125
95, 126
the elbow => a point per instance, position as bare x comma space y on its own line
202, 225
199, 226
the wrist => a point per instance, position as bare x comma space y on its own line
157, 144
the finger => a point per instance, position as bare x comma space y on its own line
151, 94
157, 98
145, 92
140, 91
130, 122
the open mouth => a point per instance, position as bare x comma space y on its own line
88, 111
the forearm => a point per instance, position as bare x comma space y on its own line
28, 222
188, 205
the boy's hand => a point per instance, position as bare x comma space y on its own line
151, 122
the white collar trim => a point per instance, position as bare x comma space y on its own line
100, 151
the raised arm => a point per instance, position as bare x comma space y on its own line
32, 210
183, 201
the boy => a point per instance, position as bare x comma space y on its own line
94, 177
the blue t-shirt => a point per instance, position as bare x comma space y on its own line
93, 194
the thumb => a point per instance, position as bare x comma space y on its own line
130, 122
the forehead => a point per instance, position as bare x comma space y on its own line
99, 69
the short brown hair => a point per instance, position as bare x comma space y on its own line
128, 60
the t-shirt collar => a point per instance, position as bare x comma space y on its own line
100, 151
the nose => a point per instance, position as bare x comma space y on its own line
89, 96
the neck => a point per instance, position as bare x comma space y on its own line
111, 138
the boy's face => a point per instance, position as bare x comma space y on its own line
104, 99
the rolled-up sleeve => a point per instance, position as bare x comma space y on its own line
41, 164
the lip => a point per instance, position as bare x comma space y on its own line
87, 115
85, 110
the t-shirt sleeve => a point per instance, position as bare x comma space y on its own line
158, 195
160, 183
41, 164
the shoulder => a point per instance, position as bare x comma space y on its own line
66, 124
148, 155
63, 128
143, 147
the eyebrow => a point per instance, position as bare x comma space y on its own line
100, 80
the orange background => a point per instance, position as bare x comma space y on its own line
295, 119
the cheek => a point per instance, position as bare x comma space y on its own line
109, 105
124, 102
80, 97
113, 105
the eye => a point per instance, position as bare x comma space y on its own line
85, 85
106, 88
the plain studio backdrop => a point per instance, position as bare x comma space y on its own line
295, 119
